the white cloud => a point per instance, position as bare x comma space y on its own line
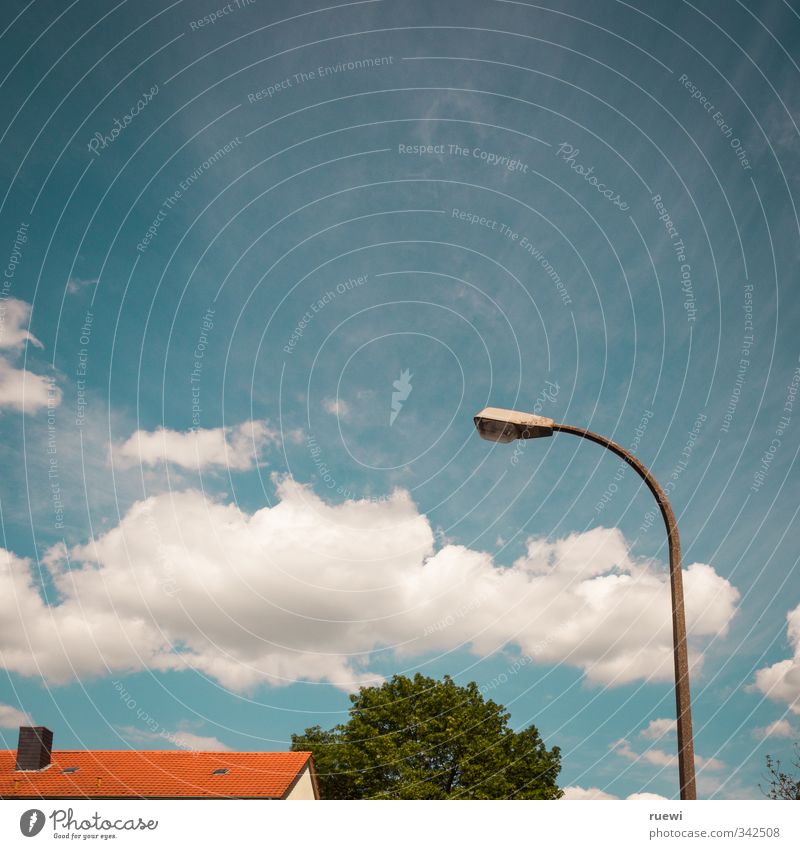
25, 391
181, 739
648, 797
77, 284
575, 793
10, 717
581, 793
779, 728
658, 757
709, 786
235, 448
198, 742
336, 406
781, 681
305, 590
14, 320
658, 728
296, 436
21, 389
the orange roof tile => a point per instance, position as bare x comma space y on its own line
158, 774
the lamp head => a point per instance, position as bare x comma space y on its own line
499, 425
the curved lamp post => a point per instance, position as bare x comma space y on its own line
499, 425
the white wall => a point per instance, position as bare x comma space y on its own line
304, 789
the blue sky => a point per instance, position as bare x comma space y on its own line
232, 235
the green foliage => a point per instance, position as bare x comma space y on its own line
429, 739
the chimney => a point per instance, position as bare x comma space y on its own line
34, 747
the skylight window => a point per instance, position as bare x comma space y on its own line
70, 769
221, 771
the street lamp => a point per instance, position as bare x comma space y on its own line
498, 425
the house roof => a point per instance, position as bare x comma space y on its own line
156, 774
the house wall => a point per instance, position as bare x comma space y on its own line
304, 789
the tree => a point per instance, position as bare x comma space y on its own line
782, 785
426, 739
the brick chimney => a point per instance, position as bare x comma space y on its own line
34, 747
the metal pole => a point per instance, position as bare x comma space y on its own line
686, 769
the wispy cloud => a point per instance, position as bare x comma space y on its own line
75, 285
11, 717
336, 407
180, 739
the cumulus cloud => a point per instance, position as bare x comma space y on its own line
235, 448
11, 717
657, 728
779, 728
581, 793
306, 590
23, 390
781, 681
658, 757
15, 318
647, 797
